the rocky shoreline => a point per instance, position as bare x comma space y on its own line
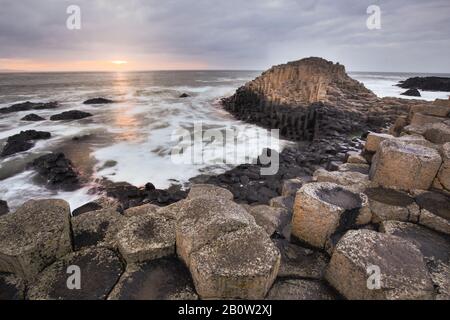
366, 190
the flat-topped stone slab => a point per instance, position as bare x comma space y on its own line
374, 140
34, 236
162, 279
355, 167
100, 269
420, 119
325, 209
146, 237
97, 228
141, 210
203, 220
438, 110
388, 204
300, 289
238, 265
405, 166
435, 211
11, 287
438, 133
208, 190
354, 180
360, 253
270, 219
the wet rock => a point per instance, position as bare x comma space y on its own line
324, 210
145, 209
88, 207
98, 101
204, 219
435, 248
162, 279
184, 95
438, 133
32, 117
206, 190
426, 83
435, 211
70, 115
405, 166
442, 180
146, 237
4, 209
270, 219
403, 272
96, 228
354, 180
387, 204
23, 141
126, 194
11, 287
29, 106
57, 171
299, 262
241, 264
99, 268
375, 139
297, 289
34, 236
411, 93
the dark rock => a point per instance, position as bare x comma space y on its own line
98, 101
23, 141
4, 209
162, 279
100, 270
57, 171
411, 93
299, 289
184, 95
88, 207
436, 203
11, 287
29, 106
426, 83
71, 115
32, 117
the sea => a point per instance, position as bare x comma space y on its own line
133, 140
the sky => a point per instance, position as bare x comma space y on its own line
414, 35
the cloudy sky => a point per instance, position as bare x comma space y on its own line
226, 34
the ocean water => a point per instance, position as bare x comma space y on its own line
133, 139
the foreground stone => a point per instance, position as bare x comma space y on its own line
405, 166
353, 180
403, 271
204, 220
96, 228
100, 270
387, 204
241, 264
34, 236
442, 180
375, 139
270, 219
162, 279
435, 248
296, 289
323, 210
70, 115
23, 141
438, 133
145, 209
435, 211
207, 190
11, 287
146, 237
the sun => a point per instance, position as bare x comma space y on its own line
119, 62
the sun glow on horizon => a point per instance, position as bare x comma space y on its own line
119, 62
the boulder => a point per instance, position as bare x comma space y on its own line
146, 237
25, 106
145, 209
88, 207
23, 141
172, 211
438, 133
411, 93
420, 119
4, 209
11, 287
417, 139
353, 180
435, 211
403, 273
100, 269
387, 204
98, 204
34, 236
184, 95
162, 279
415, 129
270, 219
70, 115
96, 228
375, 139
209, 191
299, 289
284, 202
355, 157
322, 211
242, 264
299, 262
442, 180
204, 219
437, 110
98, 101
405, 166
291, 186
56, 171
32, 117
